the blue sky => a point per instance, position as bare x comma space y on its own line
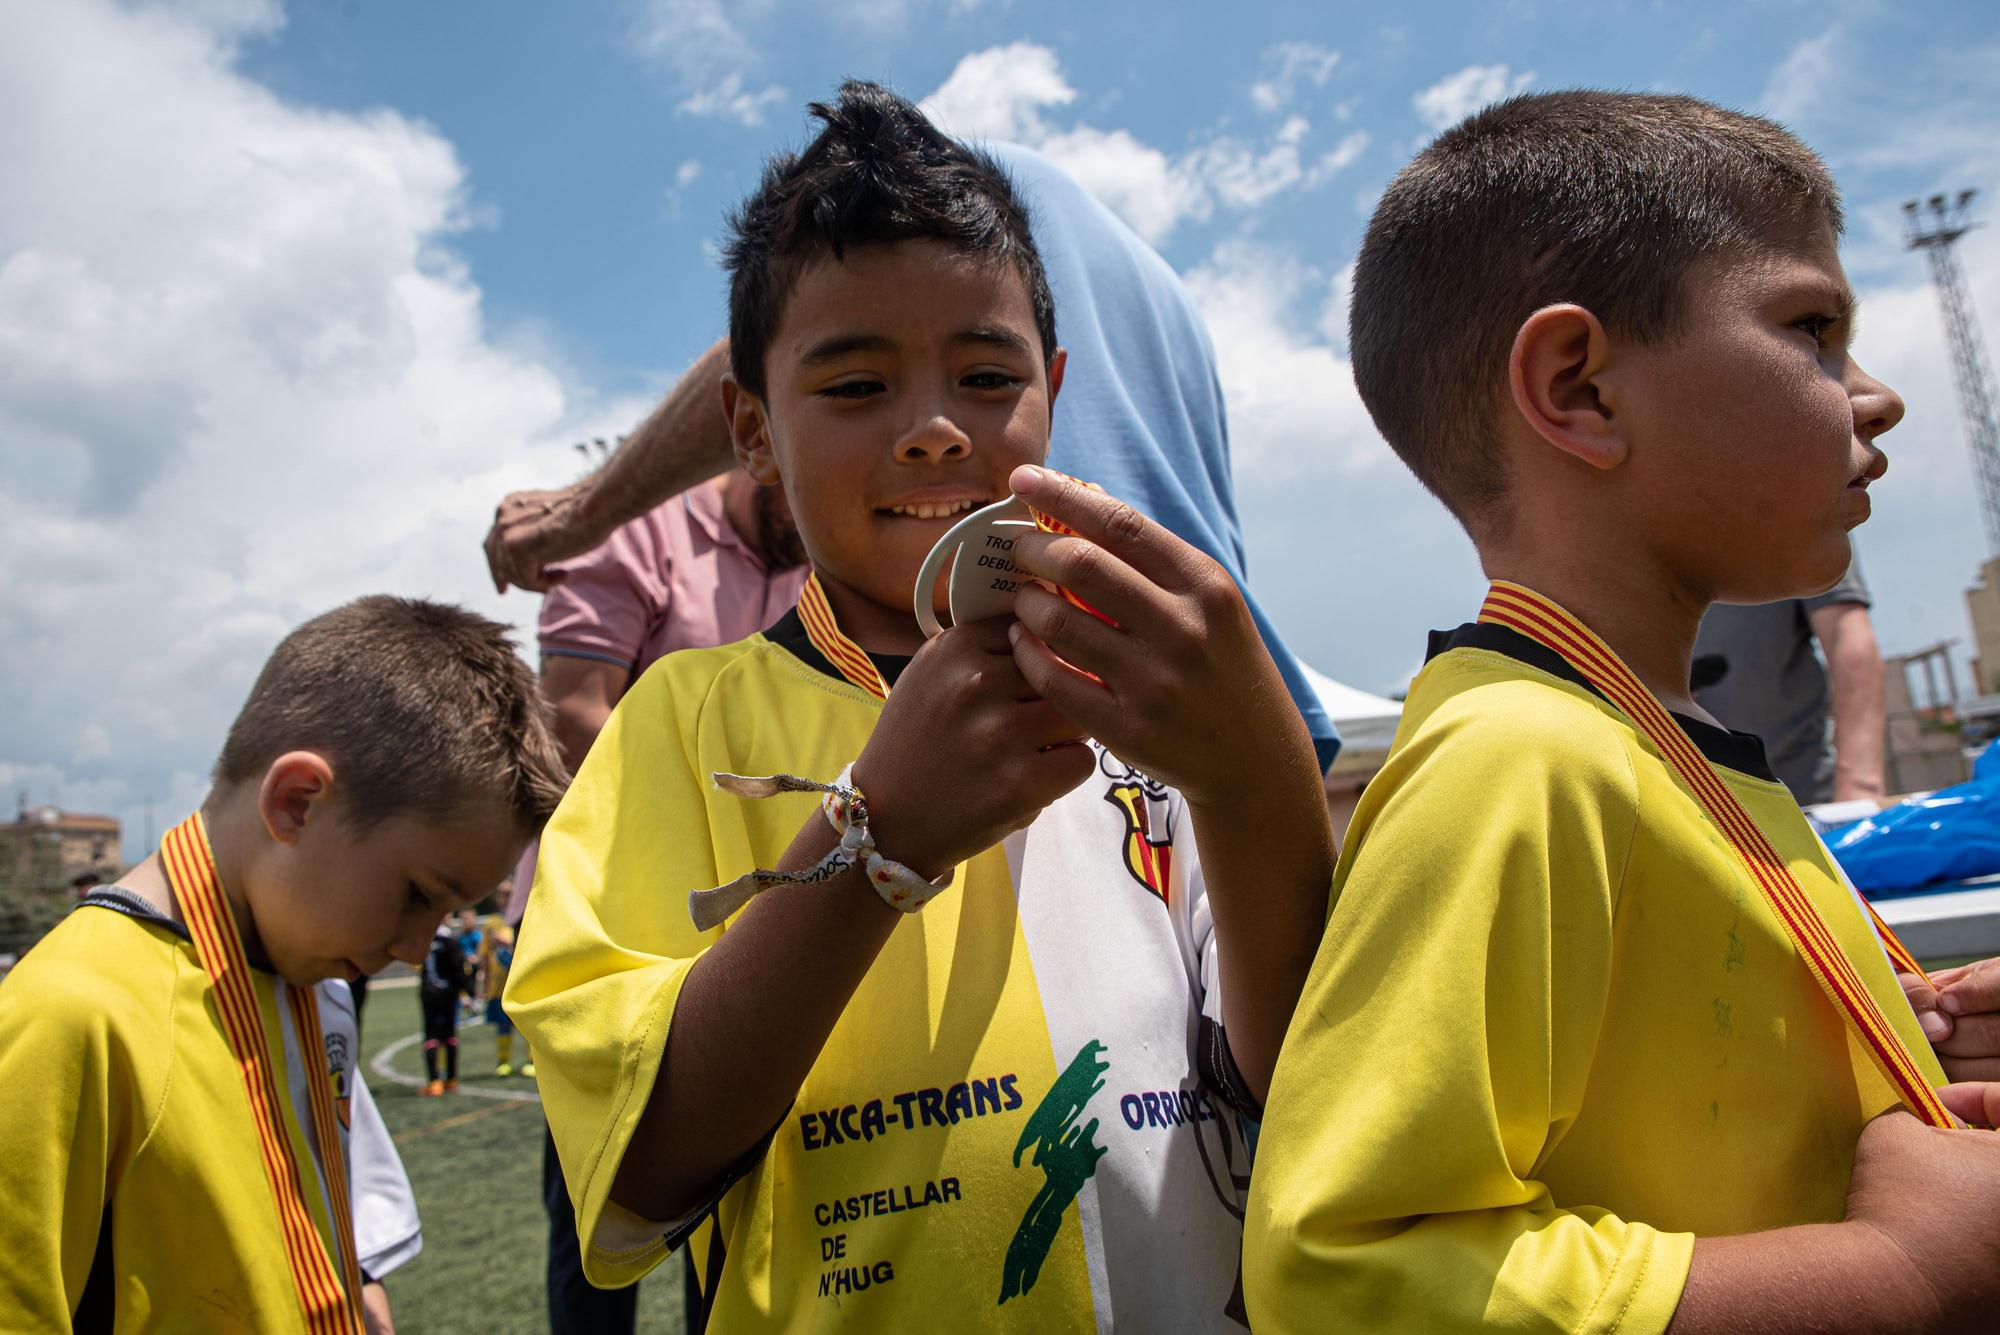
289, 295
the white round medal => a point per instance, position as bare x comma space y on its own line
984, 578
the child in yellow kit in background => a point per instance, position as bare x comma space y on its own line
173, 1122
1562, 1064
496, 953
1019, 1108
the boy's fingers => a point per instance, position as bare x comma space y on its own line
1936, 1024
1075, 635
1942, 978
1106, 521
1072, 694
1042, 725
1093, 573
1974, 991
1972, 1036
990, 635
1971, 1068
1976, 1102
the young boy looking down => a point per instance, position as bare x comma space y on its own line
1566, 1060
1014, 1109
173, 1099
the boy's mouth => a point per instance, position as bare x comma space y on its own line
1878, 464
932, 507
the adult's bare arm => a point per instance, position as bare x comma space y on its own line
1854, 665
684, 442
582, 692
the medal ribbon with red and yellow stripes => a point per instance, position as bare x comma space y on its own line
847, 657
329, 1306
1523, 610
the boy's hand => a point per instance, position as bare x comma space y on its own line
1186, 690
1935, 1195
1959, 1010
965, 752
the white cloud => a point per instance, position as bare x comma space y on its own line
728, 99
1342, 156
1007, 92
1456, 96
1291, 64
242, 378
1000, 93
685, 174
1803, 78
703, 48
888, 13
1293, 408
696, 39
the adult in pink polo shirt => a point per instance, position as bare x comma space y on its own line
685, 575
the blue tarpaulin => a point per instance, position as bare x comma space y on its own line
1948, 836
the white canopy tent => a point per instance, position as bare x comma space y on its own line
1367, 723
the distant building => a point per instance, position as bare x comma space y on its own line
70, 843
1982, 601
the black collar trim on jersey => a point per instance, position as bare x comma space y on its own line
790, 635
1740, 751
132, 906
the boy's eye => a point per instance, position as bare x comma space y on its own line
1816, 326
418, 899
853, 389
990, 380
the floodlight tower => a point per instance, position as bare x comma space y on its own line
1935, 230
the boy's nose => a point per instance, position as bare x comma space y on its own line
936, 439
1877, 408
415, 942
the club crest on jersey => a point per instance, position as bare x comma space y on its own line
1149, 822
337, 1063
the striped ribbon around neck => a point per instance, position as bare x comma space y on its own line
329, 1306
824, 631
1523, 610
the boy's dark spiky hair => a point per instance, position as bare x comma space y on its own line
879, 172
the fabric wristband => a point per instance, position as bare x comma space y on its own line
846, 810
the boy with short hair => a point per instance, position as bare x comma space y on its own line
1596, 1024
173, 1101
1014, 1109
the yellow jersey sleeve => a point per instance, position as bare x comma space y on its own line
1445, 1039
604, 948
82, 1073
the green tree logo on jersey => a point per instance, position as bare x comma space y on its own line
1067, 1153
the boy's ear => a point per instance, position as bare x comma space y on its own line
749, 432
1057, 364
297, 789
1556, 372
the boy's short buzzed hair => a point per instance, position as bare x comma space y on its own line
878, 173
1598, 198
424, 708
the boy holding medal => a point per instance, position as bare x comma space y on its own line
1598, 1038
1018, 1108
174, 1081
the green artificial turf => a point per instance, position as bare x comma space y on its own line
476, 1166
